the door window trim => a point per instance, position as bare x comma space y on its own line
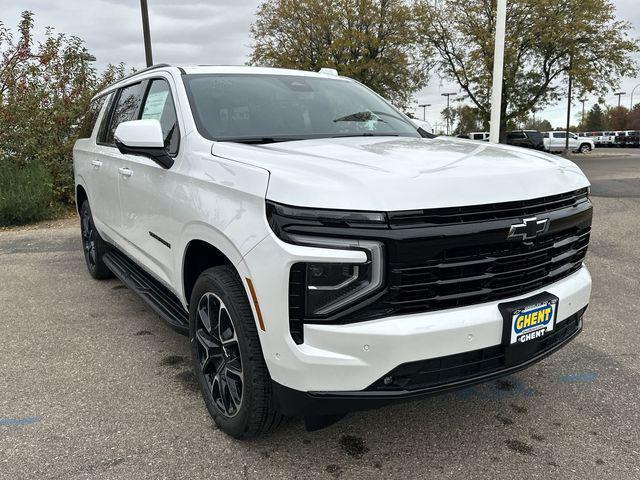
145, 94
104, 127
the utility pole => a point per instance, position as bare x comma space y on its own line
448, 95
566, 144
619, 94
498, 67
146, 33
424, 110
583, 100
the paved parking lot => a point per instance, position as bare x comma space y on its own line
94, 385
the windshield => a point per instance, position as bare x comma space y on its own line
269, 108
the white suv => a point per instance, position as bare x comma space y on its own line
323, 254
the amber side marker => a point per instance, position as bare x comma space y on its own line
255, 302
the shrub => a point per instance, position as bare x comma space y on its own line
26, 194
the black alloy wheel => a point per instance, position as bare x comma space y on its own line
219, 354
93, 246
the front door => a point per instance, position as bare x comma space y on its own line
147, 189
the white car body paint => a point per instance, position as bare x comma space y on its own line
216, 192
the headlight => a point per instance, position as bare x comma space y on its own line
326, 288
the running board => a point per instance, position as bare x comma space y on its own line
160, 298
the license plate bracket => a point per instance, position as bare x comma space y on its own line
526, 323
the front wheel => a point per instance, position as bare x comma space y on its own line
585, 148
227, 356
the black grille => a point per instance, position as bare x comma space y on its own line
481, 213
446, 258
440, 371
460, 276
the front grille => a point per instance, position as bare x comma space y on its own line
482, 213
432, 373
460, 276
446, 258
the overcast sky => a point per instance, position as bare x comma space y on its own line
209, 32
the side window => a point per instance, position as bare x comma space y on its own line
559, 135
88, 120
125, 109
159, 105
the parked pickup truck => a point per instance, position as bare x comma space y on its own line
556, 142
321, 252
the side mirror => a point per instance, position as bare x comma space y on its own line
144, 138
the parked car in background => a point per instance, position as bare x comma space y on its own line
557, 141
607, 139
593, 136
482, 136
628, 138
526, 139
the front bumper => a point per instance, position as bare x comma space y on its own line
300, 404
351, 357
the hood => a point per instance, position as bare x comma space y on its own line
398, 173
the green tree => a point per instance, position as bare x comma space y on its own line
546, 40
615, 118
372, 41
633, 120
45, 89
466, 119
540, 124
594, 120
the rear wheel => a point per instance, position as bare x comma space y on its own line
227, 356
93, 245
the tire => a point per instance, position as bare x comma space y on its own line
585, 148
227, 356
93, 246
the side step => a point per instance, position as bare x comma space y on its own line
160, 298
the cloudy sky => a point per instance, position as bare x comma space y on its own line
210, 32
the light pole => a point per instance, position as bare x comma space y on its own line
146, 33
583, 100
424, 110
448, 95
498, 67
632, 91
619, 94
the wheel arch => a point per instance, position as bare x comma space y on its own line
81, 196
198, 256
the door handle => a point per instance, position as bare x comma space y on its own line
96, 163
124, 171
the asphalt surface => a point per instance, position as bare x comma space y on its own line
94, 385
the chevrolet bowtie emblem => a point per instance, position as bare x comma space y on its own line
528, 229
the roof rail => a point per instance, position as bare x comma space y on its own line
131, 75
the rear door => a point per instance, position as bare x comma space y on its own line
147, 189
86, 166
558, 140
